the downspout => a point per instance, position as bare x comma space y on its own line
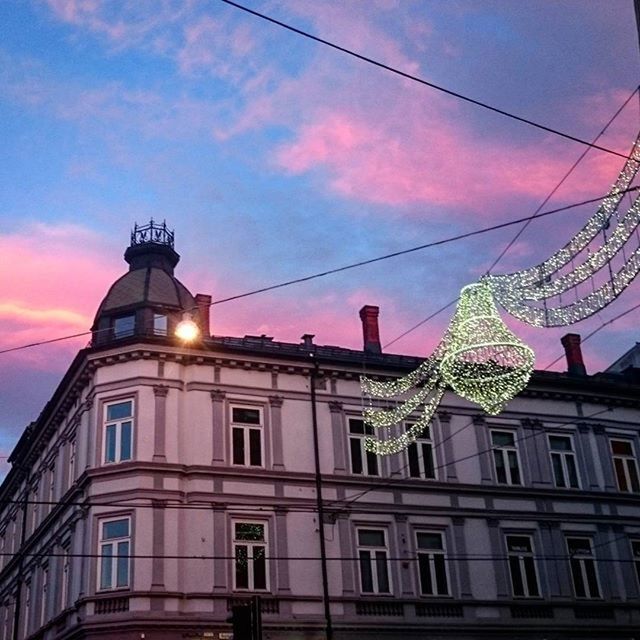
320, 504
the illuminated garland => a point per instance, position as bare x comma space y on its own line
386, 417
395, 388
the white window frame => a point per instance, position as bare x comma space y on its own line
245, 428
419, 445
503, 451
563, 455
627, 461
118, 424
373, 551
430, 554
522, 567
251, 547
581, 561
369, 461
114, 544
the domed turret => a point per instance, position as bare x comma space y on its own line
149, 300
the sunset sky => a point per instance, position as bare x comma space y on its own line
274, 157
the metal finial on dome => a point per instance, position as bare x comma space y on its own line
152, 233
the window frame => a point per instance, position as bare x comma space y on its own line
118, 423
563, 455
504, 450
373, 560
418, 445
245, 428
367, 458
626, 460
251, 545
582, 562
521, 557
114, 542
125, 333
432, 553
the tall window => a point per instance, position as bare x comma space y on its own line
635, 550
115, 542
51, 498
44, 595
118, 431
431, 564
522, 567
71, 464
159, 324
583, 570
505, 457
246, 436
625, 465
65, 577
374, 566
35, 513
249, 551
362, 462
563, 461
420, 454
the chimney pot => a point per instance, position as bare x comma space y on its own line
307, 340
203, 302
370, 332
573, 352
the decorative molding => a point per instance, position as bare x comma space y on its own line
160, 390
335, 407
217, 395
276, 401
444, 416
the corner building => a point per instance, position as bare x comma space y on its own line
162, 484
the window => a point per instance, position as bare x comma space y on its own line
159, 324
124, 326
52, 488
431, 564
43, 595
71, 468
35, 515
66, 576
583, 570
522, 567
563, 461
372, 553
362, 462
505, 457
27, 608
635, 550
118, 431
625, 465
246, 436
114, 554
249, 551
420, 454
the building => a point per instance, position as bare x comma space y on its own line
164, 483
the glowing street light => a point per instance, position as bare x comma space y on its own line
187, 330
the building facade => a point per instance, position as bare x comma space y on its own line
164, 483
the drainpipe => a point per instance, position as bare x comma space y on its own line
320, 504
23, 535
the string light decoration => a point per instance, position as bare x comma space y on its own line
479, 357
484, 361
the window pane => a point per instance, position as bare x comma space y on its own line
356, 455
372, 463
560, 443
590, 570
124, 326
370, 538
238, 446
119, 410
633, 475
123, 565
502, 439
579, 546
532, 581
426, 586
427, 458
558, 473
441, 574
259, 568
501, 473
255, 450
125, 441
159, 324
356, 426
621, 447
115, 529
249, 531
246, 416
429, 540
621, 477
516, 576
106, 577
414, 467
242, 567
513, 467
365, 571
519, 544
573, 472
577, 579
110, 444
382, 571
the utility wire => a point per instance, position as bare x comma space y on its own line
429, 245
421, 81
531, 219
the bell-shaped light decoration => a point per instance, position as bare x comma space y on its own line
484, 361
187, 329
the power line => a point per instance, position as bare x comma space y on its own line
421, 81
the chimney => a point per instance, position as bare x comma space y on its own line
307, 340
203, 302
370, 332
573, 352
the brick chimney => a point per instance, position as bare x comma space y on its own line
573, 352
370, 332
203, 301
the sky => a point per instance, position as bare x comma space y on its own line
275, 157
